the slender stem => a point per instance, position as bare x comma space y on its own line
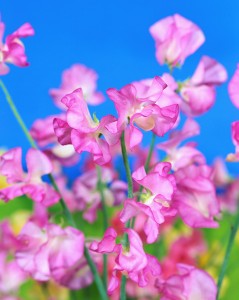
66, 211
146, 166
97, 278
130, 195
151, 149
127, 167
105, 221
227, 254
17, 115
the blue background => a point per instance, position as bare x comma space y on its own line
112, 37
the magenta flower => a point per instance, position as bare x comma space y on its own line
83, 132
233, 88
51, 253
87, 195
78, 76
13, 51
131, 260
155, 201
180, 157
176, 38
136, 105
199, 92
43, 133
30, 183
195, 197
232, 157
189, 284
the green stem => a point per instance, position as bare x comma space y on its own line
105, 221
227, 255
127, 167
130, 195
66, 211
146, 166
17, 115
151, 149
73, 295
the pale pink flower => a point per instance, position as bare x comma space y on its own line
83, 132
185, 155
88, 197
131, 260
51, 252
30, 183
233, 157
189, 284
155, 200
233, 88
136, 106
199, 92
184, 250
13, 51
43, 133
195, 196
176, 38
78, 76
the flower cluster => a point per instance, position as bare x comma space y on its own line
59, 242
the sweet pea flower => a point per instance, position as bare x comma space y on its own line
186, 250
185, 155
175, 38
78, 76
189, 284
13, 51
199, 92
137, 106
195, 196
88, 197
83, 132
30, 183
233, 88
131, 260
233, 157
155, 201
52, 253
43, 133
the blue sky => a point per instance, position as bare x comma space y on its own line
112, 37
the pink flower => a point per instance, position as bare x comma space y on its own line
87, 195
83, 132
154, 201
13, 51
135, 105
189, 284
131, 260
180, 157
233, 88
199, 92
78, 76
195, 196
185, 249
232, 157
176, 38
43, 133
51, 252
29, 183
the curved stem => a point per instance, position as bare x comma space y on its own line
65, 209
17, 115
146, 166
130, 195
227, 254
105, 221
